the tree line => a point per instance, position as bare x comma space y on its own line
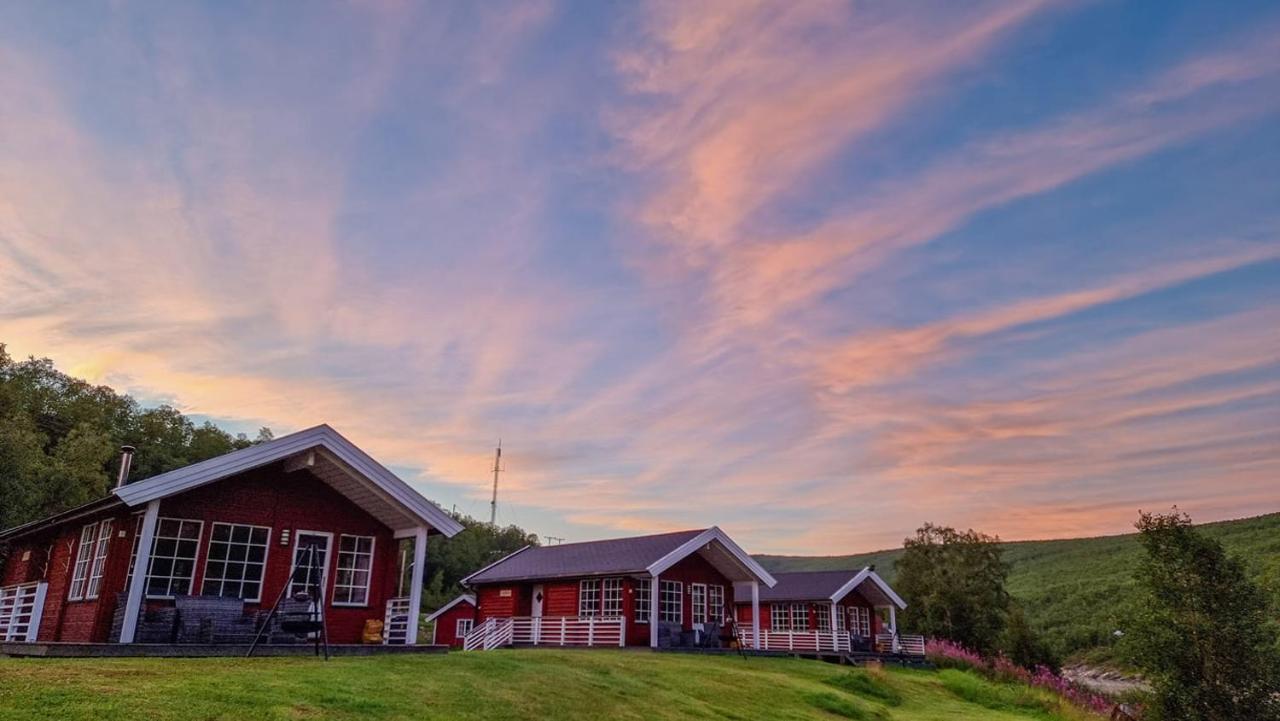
1198, 628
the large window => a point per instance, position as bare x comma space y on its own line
173, 557
612, 597
133, 552
717, 603
698, 591
799, 617
643, 599
824, 616
237, 556
80, 572
99, 559
589, 598
670, 609
355, 568
779, 617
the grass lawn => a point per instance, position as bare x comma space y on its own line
506, 684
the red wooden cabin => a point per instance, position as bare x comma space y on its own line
225, 534
668, 589
830, 611
453, 621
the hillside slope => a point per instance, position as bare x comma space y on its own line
1075, 589
531, 684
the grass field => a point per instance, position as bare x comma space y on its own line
1074, 590
519, 684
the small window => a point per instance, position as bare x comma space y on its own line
612, 597
643, 591
779, 617
173, 557
589, 598
671, 609
355, 567
236, 559
839, 619
716, 610
463, 628
698, 591
80, 572
824, 617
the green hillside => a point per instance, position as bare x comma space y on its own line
531, 684
1074, 589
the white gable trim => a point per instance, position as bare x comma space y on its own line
441, 611
867, 574
215, 469
467, 581
713, 534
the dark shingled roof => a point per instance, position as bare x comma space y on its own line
617, 555
806, 585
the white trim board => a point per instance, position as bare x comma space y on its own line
867, 574
713, 534
321, 436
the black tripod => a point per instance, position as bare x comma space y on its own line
310, 621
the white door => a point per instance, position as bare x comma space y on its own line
536, 612
315, 562
537, 601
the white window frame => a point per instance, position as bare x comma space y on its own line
779, 617
838, 619
666, 590
799, 617
84, 555
698, 602
589, 598
860, 621
324, 571
368, 582
262, 570
823, 613
462, 627
715, 601
99, 563
195, 559
611, 598
643, 590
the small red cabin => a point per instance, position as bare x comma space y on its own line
199, 554
670, 589
453, 621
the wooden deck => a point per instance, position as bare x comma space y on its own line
193, 650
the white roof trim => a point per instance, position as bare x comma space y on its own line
713, 534
867, 574
440, 611
215, 469
473, 574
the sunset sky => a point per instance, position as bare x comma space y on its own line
816, 272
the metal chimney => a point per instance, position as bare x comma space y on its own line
126, 460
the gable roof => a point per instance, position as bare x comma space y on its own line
828, 586
638, 554
464, 598
331, 457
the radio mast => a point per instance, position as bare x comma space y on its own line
497, 468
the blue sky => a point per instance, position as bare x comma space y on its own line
816, 272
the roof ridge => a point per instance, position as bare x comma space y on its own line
626, 538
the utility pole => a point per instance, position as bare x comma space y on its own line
497, 468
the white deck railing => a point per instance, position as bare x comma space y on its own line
546, 631
395, 624
20, 609
909, 645
800, 641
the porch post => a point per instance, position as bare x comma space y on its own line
654, 615
755, 614
141, 564
415, 589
